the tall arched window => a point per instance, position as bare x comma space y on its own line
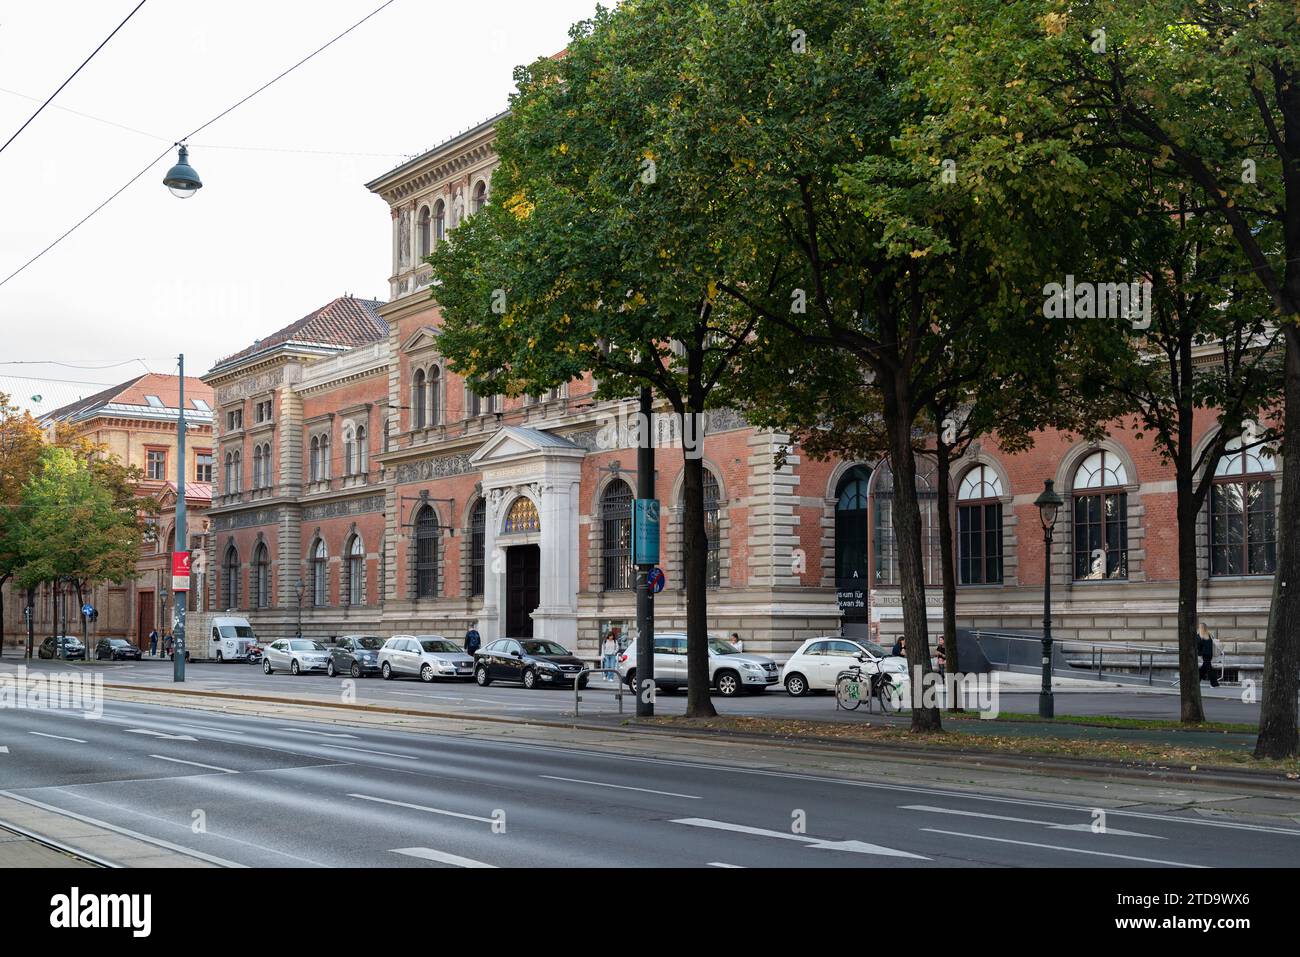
261, 577
435, 395
356, 570
851, 519
362, 453
979, 528
257, 466
477, 540
886, 541
480, 196
419, 400
230, 578
427, 534
425, 223
314, 470
439, 221
324, 456
238, 476
1243, 515
473, 403
616, 536
1100, 518
319, 574
266, 466
349, 450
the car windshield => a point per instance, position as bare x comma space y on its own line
719, 647
370, 644
437, 644
875, 649
306, 646
236, 631
117, 642
544, 648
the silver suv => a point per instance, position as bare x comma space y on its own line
730, 670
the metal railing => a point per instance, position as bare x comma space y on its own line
1097, 651
577, 689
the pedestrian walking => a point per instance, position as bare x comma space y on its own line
940, 657
1205, 648
153, 642
735, 640
472, 639
609, 655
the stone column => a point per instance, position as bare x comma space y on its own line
491, 623
556, 617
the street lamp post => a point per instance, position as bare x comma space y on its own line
298, 589
1049, 505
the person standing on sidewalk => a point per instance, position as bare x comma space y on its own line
1205, 648
472, 639
153, 642
735, 640
609, 655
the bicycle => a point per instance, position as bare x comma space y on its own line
882, 686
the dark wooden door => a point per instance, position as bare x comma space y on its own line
144, 619
523, 588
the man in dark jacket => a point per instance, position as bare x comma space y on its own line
1205, 648
472, 640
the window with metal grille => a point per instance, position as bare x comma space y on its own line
426, 553
230, 578
616, 537
261, 577
886, 540
712, 532
319, 571
356, 567
477, 538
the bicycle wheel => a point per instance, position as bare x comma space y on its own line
890, 696
848, 692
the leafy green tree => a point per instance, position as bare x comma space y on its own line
20, 448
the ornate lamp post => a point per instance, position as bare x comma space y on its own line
298, 590
1049, 505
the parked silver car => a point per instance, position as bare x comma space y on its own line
295, 655
424, 656
730, 670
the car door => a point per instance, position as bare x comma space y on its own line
670, 661
513, 659
497, 666
840, 656
812, 665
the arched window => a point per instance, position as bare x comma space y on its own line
1243, 515
324, 456
267, 480
419, 400
480, 196
427, 534
473, 403
356, 570
257, 466
230, 578
851, 519
261, 577
319, 571
979, 528
521, 518
349, 450
362, 453
238, 471
423, 244
314, 471
1100, 518
886, 541
477, 540
435, 395
616, 536
439, 221
171, 540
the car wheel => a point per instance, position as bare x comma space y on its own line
728, 684
631, 680
387, 671
530, 679
329, 669
220, 658
796, 685
481, 676
426, 673
266, 666
356, 670
293, 667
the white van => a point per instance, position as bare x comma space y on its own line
221, 638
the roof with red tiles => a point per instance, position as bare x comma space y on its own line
345, 323
137, 392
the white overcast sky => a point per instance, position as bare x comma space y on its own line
274, 233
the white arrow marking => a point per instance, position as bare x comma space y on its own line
1028, 820
857, 847
724, 864
56, 737
3, 749
442, 857
323, 734
421, 807
1057, 847
160, 734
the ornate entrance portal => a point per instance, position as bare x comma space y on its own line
523, 588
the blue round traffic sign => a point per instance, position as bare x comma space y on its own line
656, 580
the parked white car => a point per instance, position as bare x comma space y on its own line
295, 655
817, 663
424, 656
731, 670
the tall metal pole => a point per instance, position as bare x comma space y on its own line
1046, 705
645, 601
182, 538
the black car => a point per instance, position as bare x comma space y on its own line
355, 655
72, 648
116, 649
533, 662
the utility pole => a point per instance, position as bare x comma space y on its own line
182, 538
645, 600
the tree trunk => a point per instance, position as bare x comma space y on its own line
699, 703
1193, 711
85, 622
948, 568
1278, 713
3, 579
907, 535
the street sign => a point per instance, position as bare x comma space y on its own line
180, 571
656, 580
88, 610
645, 531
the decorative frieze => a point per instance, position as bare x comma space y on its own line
251, 385
227, 523
353, 506
432, 468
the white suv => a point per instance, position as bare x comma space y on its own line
730, 670
817, 663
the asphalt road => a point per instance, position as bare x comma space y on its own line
274, 791
500, 700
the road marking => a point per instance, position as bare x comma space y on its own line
194, 727
4, 749
1057, 847
421, 807
210, 767
1083, 826
442, 857
57, 737
857, 847
739, 867
323, 734
156, 841
160, 734
621, 787
384, 754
